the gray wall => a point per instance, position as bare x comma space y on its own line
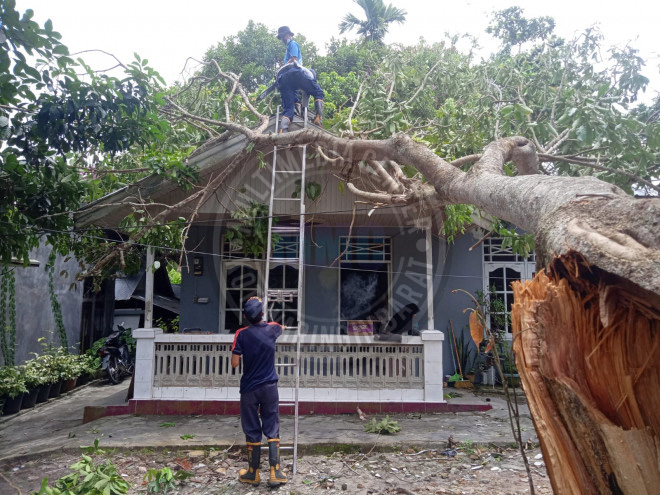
455, 267
34, 317
196, 314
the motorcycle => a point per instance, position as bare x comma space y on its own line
115, 357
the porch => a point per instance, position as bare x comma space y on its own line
188, 374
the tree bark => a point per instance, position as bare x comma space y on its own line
587, 347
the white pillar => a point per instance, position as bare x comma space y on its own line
429, 278
144, 361
433, 377
149, 289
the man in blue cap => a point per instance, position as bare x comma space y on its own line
292, 77
259, 396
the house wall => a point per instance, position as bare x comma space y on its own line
194, 312
462, 269
454, 268
34, 317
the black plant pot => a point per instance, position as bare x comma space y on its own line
12, 406
42, 395
82, 380
55, 389
30, 398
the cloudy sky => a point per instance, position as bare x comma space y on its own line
167, 32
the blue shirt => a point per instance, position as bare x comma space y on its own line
256, 344
293, 50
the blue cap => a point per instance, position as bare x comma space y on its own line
253, 309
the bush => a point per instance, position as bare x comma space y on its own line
32, 374
11, 382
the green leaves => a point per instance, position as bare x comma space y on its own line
382, 427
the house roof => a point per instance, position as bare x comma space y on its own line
250, 182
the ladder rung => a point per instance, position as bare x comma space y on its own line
283, 260
287, 404
286, 448
286, 199
288, 228
286, 364
288, 171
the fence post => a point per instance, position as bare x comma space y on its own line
433, 375
144, 361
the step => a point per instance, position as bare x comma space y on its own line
287, 228
283, 260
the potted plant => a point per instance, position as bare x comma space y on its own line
12, 388
34, 381
70, 371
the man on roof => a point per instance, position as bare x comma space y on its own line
294, 76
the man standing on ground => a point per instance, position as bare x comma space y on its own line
259, 395
292, 77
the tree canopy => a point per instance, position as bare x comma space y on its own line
69, 139
378, 17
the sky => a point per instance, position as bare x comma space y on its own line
168, 32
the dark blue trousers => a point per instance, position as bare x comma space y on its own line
289, 83
264, 401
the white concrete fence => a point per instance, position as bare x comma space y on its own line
332, 368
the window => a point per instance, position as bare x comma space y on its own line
365, 279
243, 278
502, 267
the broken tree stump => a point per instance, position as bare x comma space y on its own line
587, 347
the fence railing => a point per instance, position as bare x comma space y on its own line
332, 367
370, 366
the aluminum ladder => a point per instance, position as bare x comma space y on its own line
288, 295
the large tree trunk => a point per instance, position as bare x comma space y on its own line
587, 346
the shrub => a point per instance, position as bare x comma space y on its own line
11, 382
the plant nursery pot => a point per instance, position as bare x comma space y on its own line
55, 389
12, 406
30, 398
69, 385
464, 384
471, 377
42, 395
82, 380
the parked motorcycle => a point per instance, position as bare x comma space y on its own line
115, 356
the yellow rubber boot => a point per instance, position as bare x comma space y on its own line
251, 474
276, 477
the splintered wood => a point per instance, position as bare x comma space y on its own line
587, 347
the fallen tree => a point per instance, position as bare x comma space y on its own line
587, 343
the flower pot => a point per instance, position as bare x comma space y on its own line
30, 398
12, 405
69, 385
44, 391
55, 389
470, 377
82, 380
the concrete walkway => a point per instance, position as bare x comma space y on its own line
57, 426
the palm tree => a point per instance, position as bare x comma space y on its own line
379, 16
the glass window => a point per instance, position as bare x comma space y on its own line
365, 279
502, 267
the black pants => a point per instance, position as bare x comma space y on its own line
289, 83
264, 401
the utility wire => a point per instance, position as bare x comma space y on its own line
229, 257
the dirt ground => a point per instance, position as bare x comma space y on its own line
471, 470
